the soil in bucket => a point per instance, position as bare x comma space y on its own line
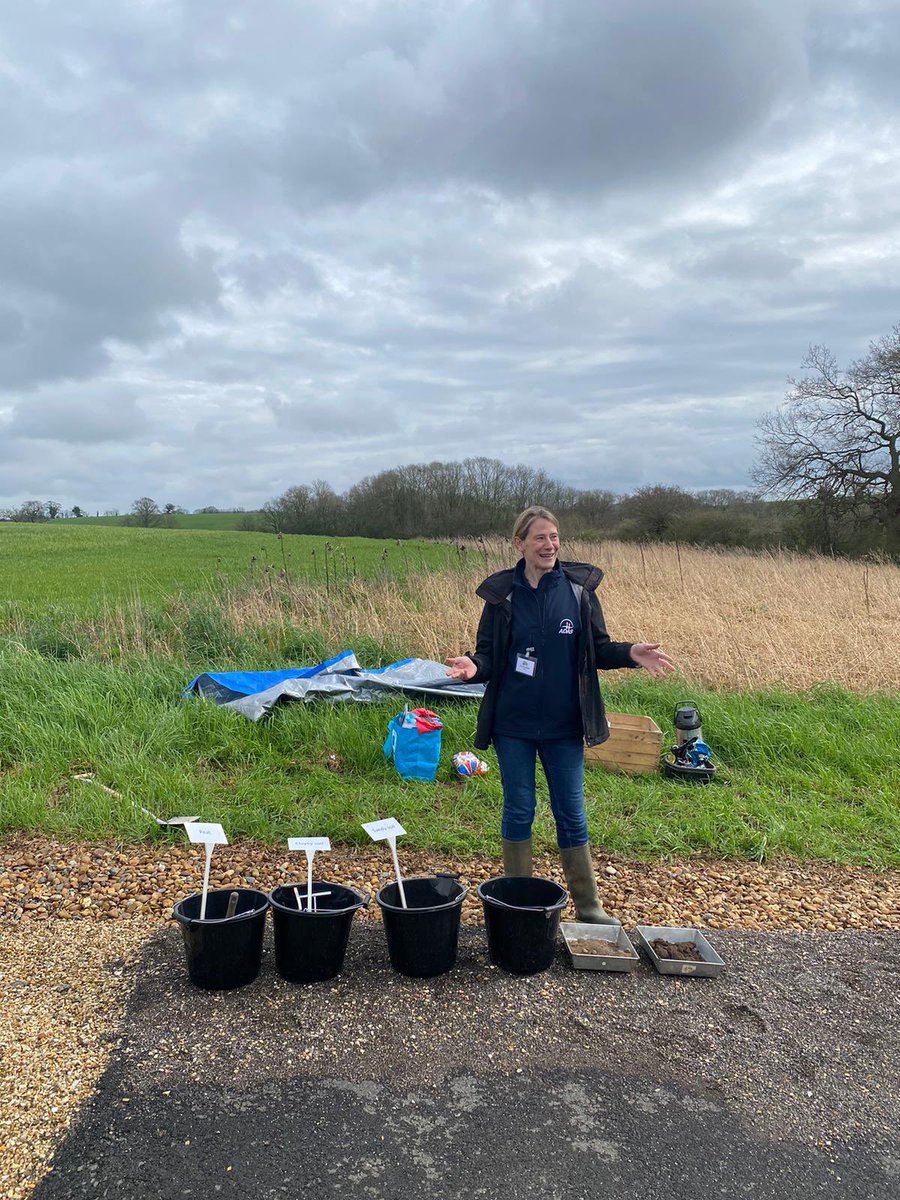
422, 937
223, 952
521, 916
310, 946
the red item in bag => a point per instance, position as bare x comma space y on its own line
424, 720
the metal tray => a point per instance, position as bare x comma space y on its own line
579, 930
709, 968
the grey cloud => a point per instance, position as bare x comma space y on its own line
340, 415
255, 246
548, 97
81, 266
747, 259
85, 420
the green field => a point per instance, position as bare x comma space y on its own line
80, 566
219, 520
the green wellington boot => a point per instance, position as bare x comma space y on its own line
579, 871
517, 858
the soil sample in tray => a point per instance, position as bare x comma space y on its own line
686, 951
598, 946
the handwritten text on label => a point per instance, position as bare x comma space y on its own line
312, 844
213, 835
377, 830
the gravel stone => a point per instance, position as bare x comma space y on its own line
58, 1008
41, 878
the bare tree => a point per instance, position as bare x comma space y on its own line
30, 510
655, 509
144, 512
838, 434
53, 509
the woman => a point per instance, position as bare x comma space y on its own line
541, 640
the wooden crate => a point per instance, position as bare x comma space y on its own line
634, 745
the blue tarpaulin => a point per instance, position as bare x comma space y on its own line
253, 693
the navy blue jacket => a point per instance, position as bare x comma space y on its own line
545, 623
594, 649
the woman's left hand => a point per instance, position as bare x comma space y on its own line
649, 656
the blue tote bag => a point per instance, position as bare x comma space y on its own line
414, 743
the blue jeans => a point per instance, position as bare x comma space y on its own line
563, 763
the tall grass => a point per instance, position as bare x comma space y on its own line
812, 779
732, 620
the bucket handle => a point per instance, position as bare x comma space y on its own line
548, 912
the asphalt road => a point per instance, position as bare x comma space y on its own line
778, 1079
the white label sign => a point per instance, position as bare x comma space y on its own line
213, 835
378, 830
309, 844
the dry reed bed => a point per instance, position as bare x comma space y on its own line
732, 620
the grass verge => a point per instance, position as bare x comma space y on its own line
813, 775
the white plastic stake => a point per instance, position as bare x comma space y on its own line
392, 842
210, 836
309, 846
209, 850
388, 831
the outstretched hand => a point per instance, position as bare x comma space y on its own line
461, 668
649, 656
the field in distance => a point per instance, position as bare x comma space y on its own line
217, 520
83, 565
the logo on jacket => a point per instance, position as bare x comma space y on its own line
566, 626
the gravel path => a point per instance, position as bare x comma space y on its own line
74, 916
41, 879
62, 986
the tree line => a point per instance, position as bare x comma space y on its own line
828, 466
481, 497
828, 469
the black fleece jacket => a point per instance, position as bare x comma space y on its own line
595, 651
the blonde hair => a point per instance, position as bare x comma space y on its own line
524, 521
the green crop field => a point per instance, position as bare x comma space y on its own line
217, 520
82, 565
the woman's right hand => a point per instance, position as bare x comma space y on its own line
461, 668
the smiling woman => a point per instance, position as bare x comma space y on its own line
541, 641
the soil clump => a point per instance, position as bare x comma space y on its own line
686, 951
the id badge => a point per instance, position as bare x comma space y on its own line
526, 664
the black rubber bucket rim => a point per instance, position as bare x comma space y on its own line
457, 900
183, 919
363, 900
547, 909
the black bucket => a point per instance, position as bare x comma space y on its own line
521, 916
310, 946
422, 938
223, 952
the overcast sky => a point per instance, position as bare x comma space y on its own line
243, 246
